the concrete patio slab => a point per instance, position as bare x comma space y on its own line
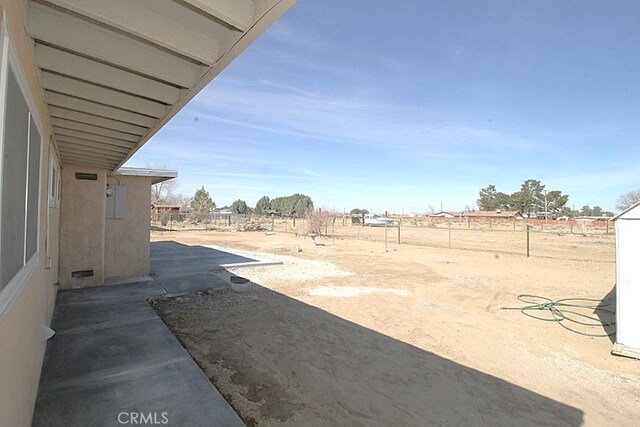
175, 390
88, 354
191, 283
170, 251
171, 258
112, 355
96, 315
180, 268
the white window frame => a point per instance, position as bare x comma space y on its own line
9, 58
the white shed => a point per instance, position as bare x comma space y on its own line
628, 282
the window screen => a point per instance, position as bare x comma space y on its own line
33, 187
14, 181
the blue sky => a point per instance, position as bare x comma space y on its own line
405, 105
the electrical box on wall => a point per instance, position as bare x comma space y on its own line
115, 201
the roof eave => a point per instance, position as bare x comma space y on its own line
261, 25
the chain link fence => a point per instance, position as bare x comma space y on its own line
566, 240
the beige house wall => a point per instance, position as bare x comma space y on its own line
82, 224
21, 346
126, 253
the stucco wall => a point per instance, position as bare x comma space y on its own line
82, 221
22, 350
126, 246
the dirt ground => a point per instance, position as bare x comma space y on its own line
346, 333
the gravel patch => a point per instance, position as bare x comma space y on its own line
292, 270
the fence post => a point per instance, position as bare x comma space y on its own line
398, 233
385, 236
334, 231
528, 252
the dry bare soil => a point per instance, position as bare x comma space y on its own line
348, 334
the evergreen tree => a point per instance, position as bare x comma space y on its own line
357, 211
294, 205
201, 205
490, 199
239, 207
263, 205
530, 199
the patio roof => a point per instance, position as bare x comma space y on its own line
114, 72
157, 175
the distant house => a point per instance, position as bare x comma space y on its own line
497, 214
158, 210
446, 214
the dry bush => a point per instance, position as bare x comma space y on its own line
316, 221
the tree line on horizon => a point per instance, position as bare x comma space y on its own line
533, 199
291, 206
295, 205
529, 200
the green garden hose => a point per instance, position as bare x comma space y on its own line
563, 312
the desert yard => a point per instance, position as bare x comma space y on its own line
345, 333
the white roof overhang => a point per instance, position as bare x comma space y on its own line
115, 71
157, 175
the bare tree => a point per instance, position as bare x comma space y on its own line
316, 220
164, 192
626, 200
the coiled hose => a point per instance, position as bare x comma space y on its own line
563, 311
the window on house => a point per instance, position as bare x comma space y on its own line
33, 185
20, 171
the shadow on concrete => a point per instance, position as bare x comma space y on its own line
169, 257
180, 268
277, 359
